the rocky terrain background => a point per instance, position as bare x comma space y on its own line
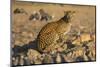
25, 31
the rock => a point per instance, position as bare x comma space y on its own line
21, 61
26, 61
82, 38
85, 58
38, 61
32, 55
77, 53
79, 59
48, 59
68, 57
58, 58
15, 61
19, 11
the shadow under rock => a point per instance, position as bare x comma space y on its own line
23, 49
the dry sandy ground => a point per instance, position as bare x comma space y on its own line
21, 25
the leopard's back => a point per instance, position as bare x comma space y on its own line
47, 36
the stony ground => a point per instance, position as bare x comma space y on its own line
25, 31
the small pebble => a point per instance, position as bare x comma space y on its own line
58, 58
